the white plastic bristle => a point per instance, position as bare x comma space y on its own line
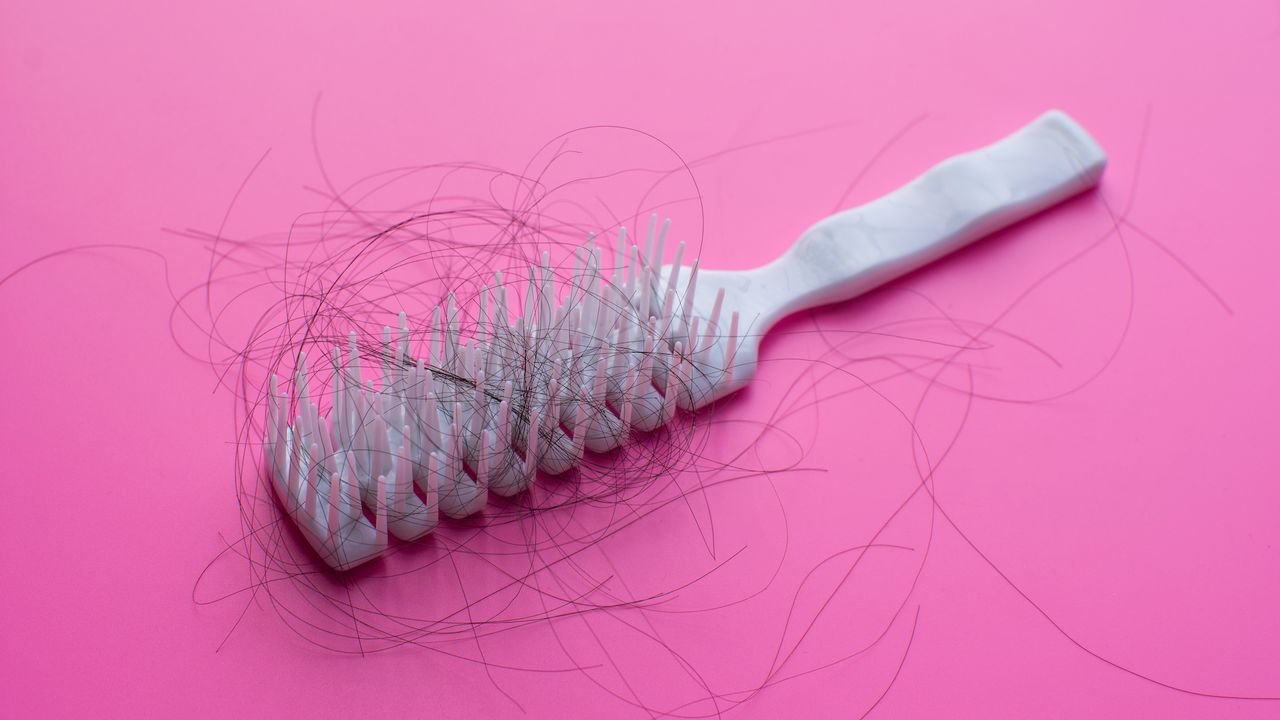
304, 394
338, 385
402, 479
675, 269
430, 486
687, 310
693, 336
504, 408
530, 297
585, 312
501, 318
713, 324
273, 399
633, 267
575, 282
380, 512
477, 414
326, 439
646, 358
579, 436
472, 364
672, 383
644, 308
351, 486
431, 416
648, 240
449, 356
553, 401
661, 248
380, 455
600, 378
665, 317
435, 342
628, 398
488, 444
293, 472
335, 509
386, 356
531, 443
311, 487
455, 429
353, 360
402, 348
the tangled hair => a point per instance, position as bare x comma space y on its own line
600, 569
349, 269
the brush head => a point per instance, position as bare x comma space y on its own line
484, 403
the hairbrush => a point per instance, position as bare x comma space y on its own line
617, 344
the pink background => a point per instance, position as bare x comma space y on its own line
1139, 513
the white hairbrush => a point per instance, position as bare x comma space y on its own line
611, 350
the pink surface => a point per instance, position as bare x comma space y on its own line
1110, 552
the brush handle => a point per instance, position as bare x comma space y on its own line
952, 204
